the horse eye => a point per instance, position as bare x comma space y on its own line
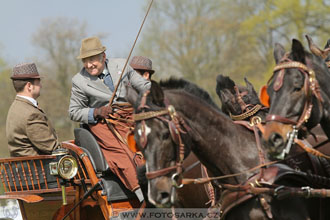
166, 135
296, 89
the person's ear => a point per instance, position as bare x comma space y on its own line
146, 75
28, 86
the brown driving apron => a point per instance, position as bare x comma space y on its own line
120, 158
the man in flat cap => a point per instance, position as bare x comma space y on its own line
143, 66
92, 89
28, 130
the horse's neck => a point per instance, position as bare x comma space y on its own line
222, 146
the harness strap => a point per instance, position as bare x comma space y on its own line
309, 149
271, 117
162, 172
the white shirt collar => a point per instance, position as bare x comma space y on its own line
34, 102
105, 70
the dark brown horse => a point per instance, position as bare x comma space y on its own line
240, 102
222, 146
299, 97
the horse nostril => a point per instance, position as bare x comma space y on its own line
163, 197
276, 139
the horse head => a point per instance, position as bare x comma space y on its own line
295, 96
239, 102
158, 132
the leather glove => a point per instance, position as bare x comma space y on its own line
102, 112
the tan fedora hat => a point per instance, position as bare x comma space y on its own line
141, 63
25, 71
90, 46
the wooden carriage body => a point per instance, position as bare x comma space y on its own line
41, 196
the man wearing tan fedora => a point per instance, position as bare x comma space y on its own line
28, 130
92, 88
143, 66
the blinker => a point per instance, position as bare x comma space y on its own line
264, 97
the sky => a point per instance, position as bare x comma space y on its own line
119, 19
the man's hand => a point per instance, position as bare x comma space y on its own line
102, 112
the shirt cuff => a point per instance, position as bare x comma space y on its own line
91, 119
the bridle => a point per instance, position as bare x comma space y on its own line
247, 109
311, 87
174, 125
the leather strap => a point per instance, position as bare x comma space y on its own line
161, 172
271, 117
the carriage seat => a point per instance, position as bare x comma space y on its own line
113, 187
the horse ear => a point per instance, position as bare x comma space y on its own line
131, 95
298, 52
315, 49
249, 86
279, 52
156, 93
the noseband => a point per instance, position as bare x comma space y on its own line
311, 87
174, 125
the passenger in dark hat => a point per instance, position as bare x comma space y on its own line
143, 66
28, 130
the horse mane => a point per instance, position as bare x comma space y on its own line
189, 87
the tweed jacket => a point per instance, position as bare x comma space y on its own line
28, 130
90, 91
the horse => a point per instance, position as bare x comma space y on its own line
240, 103
299, 97
190, 120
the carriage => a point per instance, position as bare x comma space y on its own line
73, 182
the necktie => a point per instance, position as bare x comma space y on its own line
107, 81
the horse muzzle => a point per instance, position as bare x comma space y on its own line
276, 138
160, 192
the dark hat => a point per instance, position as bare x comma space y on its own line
141, 63
90, 47
25, 71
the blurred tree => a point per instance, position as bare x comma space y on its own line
200, 39
8, 94
58, 41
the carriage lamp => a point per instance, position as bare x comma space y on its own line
66, 167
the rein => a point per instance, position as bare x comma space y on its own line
311, 87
